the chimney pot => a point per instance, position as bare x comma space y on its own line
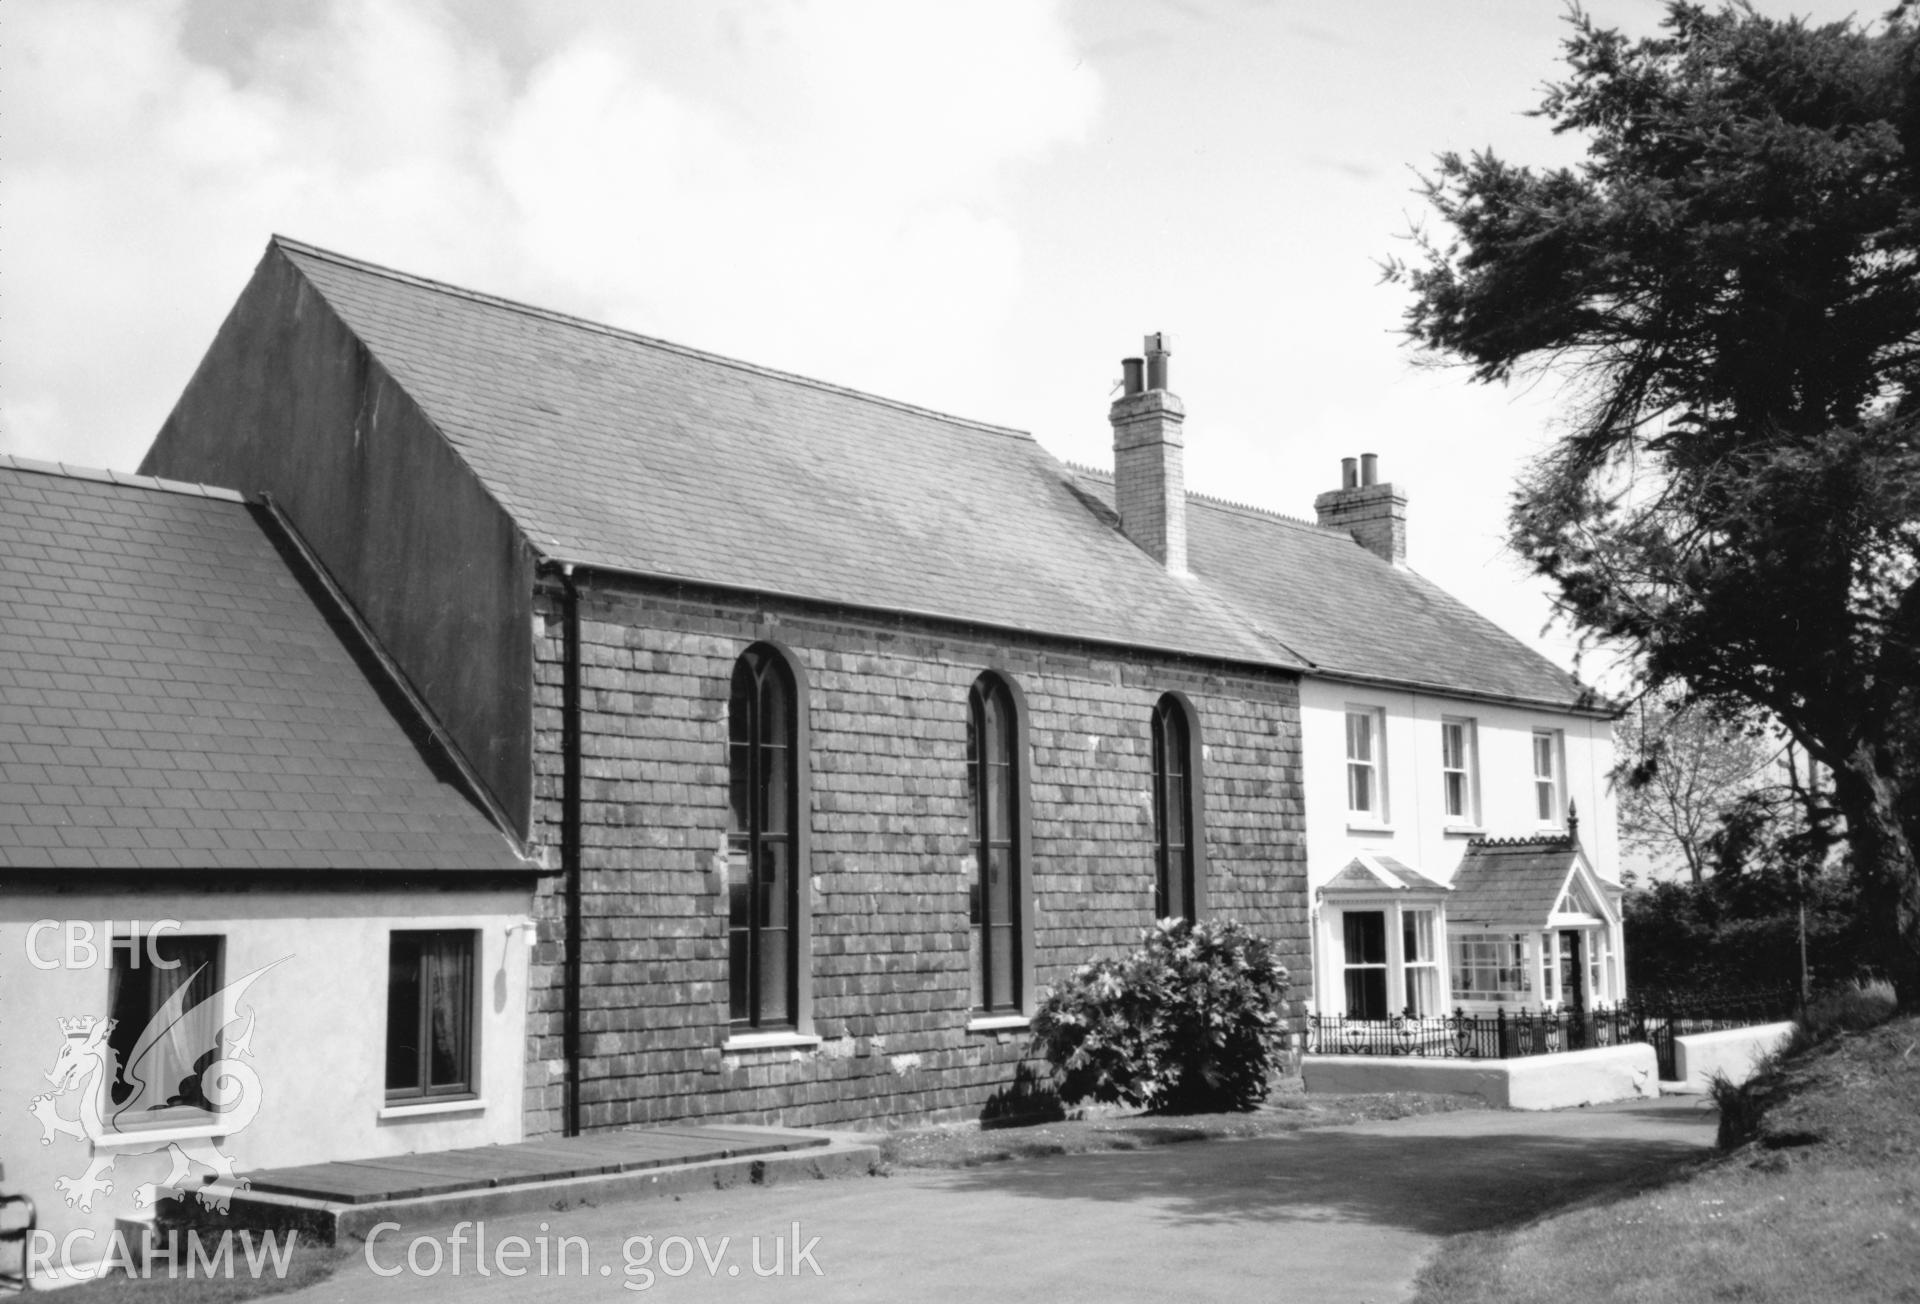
1157, 355
1133, 371
1349, 473
1369, 468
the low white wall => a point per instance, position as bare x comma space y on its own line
1734, 1053
1581, 1077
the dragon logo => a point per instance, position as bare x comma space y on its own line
87, 1066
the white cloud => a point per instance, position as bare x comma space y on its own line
818, 186
833, 167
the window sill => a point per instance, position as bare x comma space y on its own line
768, 1041
1361, 825
1464, 831
430, 1108
207, 1125
999, 1022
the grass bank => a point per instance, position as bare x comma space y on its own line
1822, 1204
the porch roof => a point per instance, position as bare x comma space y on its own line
1370, 873
1512, 883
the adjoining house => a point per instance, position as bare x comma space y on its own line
238, 865
1445, 761
853, 726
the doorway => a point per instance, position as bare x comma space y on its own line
1573, 970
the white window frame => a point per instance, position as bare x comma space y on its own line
1389, 924
1373, 765
1413, 967
1396, 965
1599, 948
1468, 816
1553, 992
1551, 784
1473, 952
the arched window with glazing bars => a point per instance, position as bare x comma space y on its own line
766, 916
1178, 813
995, 798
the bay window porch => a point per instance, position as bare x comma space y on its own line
1525, 925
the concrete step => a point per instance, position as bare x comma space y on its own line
325, 1202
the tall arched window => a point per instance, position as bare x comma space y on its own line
765, 923
993, 791
1179, 839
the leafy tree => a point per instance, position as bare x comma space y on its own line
1730, 281
1682, 774
1777, 898
1742, 933
1781, 828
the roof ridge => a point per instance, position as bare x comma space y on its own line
125, 479
1265, 513
1552, 841
1213, 500
602, 328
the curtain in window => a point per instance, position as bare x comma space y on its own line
1420, 966
430, 1013
183, 1039
449, 968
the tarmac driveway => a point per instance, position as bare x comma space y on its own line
1337, 1214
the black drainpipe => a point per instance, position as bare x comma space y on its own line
570, 831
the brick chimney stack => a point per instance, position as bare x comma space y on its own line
1149, 480
1375, 514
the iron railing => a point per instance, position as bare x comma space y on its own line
1503, 1035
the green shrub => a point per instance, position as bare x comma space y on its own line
1193, 1021
1853, 1008
1742, 932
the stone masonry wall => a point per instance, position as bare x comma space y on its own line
888, 710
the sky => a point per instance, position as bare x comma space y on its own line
976, 207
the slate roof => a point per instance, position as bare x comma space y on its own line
1353, 614
171, 695
1510, 883
611, 449
615, 450
1357, 877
